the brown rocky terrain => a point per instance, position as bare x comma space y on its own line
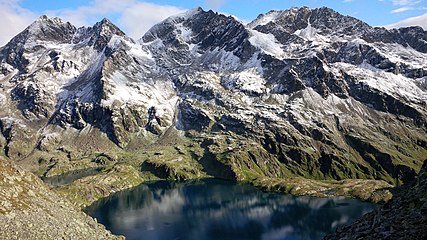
403, 217
30, 210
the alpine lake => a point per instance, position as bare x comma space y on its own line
221, 210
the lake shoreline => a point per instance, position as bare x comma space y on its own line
221, 198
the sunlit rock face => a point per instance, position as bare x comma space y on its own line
26, 201
305, 92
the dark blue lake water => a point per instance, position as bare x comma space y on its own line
214, 209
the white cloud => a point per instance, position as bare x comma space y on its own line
414, 21
402, 9
214, 4
86, 15
14, 19
405, 2
136, 20
405, 5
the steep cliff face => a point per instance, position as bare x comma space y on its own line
404, 217
302, 92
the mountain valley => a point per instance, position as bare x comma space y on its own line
302, 101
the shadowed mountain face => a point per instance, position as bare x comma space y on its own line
301, 92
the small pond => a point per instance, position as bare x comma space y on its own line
70, 177
215, 209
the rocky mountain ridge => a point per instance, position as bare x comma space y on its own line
301, 92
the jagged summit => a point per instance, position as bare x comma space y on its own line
45, 18
204, 29
324, 20
54, 29
187, 14
105, 26
184, 15
98, 35
169, 22
272, 16
34, 37
49, 29
45, 29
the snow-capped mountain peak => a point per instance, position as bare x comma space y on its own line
302, 85
325, 20
44, 29
46, 20
99, 35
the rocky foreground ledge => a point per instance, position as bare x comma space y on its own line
30, 210
403, 217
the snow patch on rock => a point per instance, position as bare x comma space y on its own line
248, 81
267, 43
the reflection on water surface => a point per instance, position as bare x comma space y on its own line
214, 209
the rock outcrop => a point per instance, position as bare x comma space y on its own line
403, 217
30, 210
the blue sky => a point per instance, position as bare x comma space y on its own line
136, 16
